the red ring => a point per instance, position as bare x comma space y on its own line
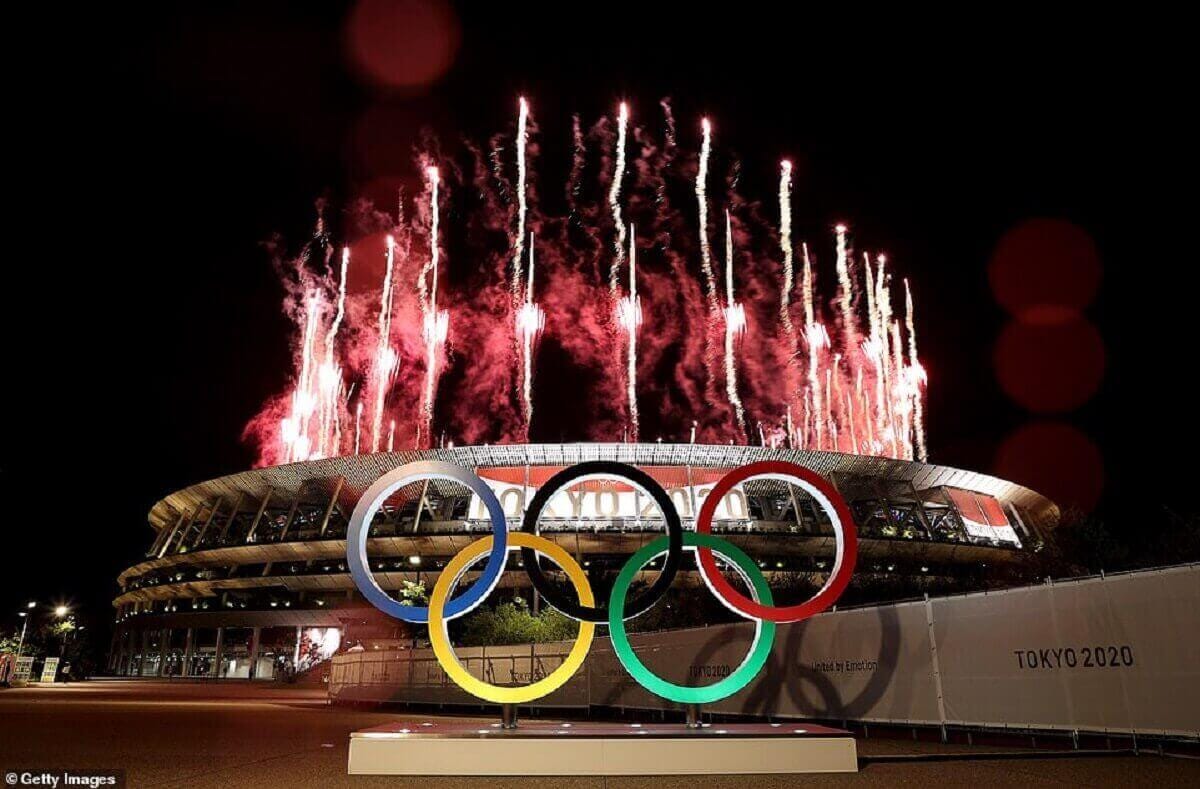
843, 566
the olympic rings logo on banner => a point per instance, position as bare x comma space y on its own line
759, 607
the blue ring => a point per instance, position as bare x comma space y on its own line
360, 526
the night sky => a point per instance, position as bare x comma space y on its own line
160, 147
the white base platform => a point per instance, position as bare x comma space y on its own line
543, 749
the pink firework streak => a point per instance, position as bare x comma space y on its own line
834, 369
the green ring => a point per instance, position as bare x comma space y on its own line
764, 632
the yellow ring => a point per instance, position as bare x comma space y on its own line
440, 640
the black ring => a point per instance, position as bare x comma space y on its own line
639, 478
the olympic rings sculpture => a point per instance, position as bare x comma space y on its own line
759, 607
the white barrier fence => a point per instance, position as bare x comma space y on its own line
1108, 654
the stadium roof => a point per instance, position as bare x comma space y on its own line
359, 471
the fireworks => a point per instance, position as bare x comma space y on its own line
629, 317
294, 429
735, 325
385, 358
915, 376
848, 379
614, 198
329, 377
311, 429
522, 199
845, 288
435, 323
710, 280
531, 321
785, 242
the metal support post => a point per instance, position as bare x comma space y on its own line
237, 503
332, 503
189, 648
217, 654
262, 507
164, 640
255, 638
208, 522
290, 517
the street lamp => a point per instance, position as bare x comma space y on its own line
25, 624
61, 611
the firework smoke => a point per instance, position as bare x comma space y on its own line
357, 427
856, 386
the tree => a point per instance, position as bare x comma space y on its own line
61, 629
32, 646
9, 643
415, 594
1176, 540
513, 623
1086, 541
64, 634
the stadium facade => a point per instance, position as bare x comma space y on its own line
246, 574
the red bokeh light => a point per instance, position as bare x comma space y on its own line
1050, 367
402, 43
1044, 263
1054, 459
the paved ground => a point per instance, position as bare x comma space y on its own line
209, 735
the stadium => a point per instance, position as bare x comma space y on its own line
245, 575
